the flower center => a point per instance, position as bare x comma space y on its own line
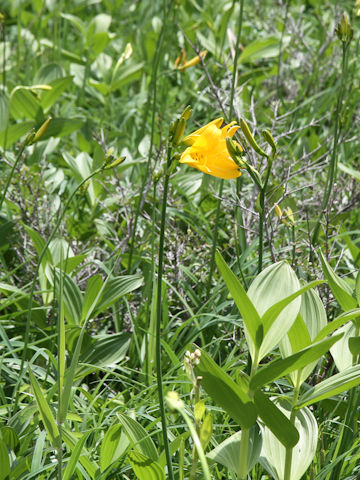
198, 157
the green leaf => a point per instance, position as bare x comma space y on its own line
273, 285
341, 290
350, 171
260, 49
274, 311
227, 453
225, 392
273, 452
4, 461
24, 104
14, 132
283, 366
246, 308
144, 467
61, 127
58, 86
93, 287
354, 345
74, 458
45, 413
337, 323
338, 383
106, 350
9, 437
275, 420
113, 446
340, 352
357, 287
71, 442
138, 436
115, 288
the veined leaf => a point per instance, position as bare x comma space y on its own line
74, 458
246, 308
273, 452
275, 420
113, 446
283, 366
225, 392
338, 383
139, 437
341, 290
144, 467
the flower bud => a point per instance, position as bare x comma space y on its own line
270, 140
344, 30
42, 130
115, 163
193, 61
179, 131
187, 113
249, 137
278, 211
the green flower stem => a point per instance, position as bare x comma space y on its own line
262, 215
158, 318
32, 289
331, 173
11, 174
244, 450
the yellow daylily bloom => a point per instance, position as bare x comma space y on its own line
207, 150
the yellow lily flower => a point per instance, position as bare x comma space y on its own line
207, 150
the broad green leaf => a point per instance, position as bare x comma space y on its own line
14, 133
260, 49
82, 166
9, 437
48, 73
338, 383
115, 288
341, 290
272, 285
93, 287
174, 447
274, 311
61, 127
71, 295
227, 453
354, 346
4, 110
45, 412
350, 171
275, 420
273, 452
206, 431
225, 392
337, 323
113, 446
283, 366
36, 462
71, 441
4, 461
58, 86
340, 352
24, 104
138, 436
144, 467
126, 74
246, 308
105, 350
311, 319
74, 458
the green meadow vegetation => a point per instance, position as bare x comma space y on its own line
179, 240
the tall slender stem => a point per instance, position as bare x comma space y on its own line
159, 318
331, 173
289, 451
244, 450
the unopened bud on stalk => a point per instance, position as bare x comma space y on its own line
193, 61
30, 137
270, 140
278, 211
114, 164
42, 130
174, 162
179, 131
249, 137
344, 30
289, 217
187, 113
